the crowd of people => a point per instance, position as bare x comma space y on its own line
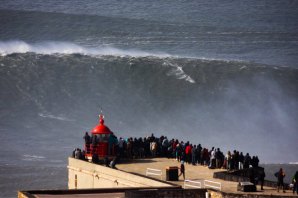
152, 146
195, 154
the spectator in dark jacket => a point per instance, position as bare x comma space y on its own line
280, 179
87, 139
194, 155
295, 182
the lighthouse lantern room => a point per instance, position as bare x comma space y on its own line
102, 142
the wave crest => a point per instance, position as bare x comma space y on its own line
56, 47
28, 157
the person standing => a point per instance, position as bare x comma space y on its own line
182, 169
194, 155
229, 158
212, 158
87, 139
110, 144
295, 182
241, 161
261, 177
199, 151
252, 175
280, 179
218, 162
121, 146
94, 143
247, 160
164, 145
178, 152
153, 148
188, 148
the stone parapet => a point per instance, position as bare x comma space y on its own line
82, 174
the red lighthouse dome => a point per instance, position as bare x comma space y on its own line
101, 128
102, 142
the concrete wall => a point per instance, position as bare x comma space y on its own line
82, 174
219, 194
162, 193
240, 176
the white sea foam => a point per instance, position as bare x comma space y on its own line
59, 47
296, 163
178, 72
28, 157
54, 47
54, 117
243, 67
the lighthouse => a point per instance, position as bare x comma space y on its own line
102, 142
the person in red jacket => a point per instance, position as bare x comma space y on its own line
188, 152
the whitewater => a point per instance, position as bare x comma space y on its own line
221, 74
55, 47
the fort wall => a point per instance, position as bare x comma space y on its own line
82, 174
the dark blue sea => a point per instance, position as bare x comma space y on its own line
218, 73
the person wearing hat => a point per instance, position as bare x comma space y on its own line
182, 169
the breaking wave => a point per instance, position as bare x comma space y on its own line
218, 99
68, 48
56, 47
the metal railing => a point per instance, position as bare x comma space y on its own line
192, 184
155, 172
212, 184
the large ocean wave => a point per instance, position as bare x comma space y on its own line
197, 71
212, 102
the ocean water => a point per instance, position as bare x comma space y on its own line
222, 74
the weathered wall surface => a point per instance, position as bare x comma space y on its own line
161, 193
240, 176
219, 194
83, 174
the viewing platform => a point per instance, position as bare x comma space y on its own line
105, 169
195, 173
130, 179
